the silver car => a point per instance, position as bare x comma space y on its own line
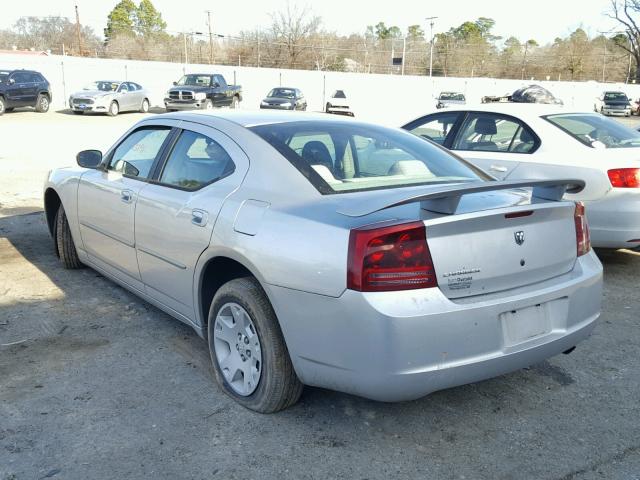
110, 97
323, 251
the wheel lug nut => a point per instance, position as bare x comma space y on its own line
246, 340
239, 336
248, 352
242, 357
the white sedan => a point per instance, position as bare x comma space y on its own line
518, 141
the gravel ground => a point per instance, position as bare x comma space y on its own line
97, 384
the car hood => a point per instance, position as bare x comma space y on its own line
278, 100
190, 88
617, 103
92, 93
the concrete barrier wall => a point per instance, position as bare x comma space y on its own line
389, 99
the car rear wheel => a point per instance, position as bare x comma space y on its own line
114, 109
144, 108
250, 358
65, 247
208, 104
2, 107
42, 104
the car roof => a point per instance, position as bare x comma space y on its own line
515, 109
260, 117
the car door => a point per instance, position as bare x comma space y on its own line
107, 201
136, 94
494, 142
175, 214
220, 91
16, 89
124, 97
31, 88
437, 127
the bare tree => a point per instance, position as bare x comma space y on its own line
293, 27
624, 11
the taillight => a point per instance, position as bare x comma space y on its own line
624, 177
583, 240
392, 257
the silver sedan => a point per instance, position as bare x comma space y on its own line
110, 97
328, 252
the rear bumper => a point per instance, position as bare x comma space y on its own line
395, 346
615, 220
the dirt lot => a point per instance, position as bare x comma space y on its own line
96, 384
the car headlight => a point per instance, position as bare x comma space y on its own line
286, 104
200, 96
263, 103
167, 93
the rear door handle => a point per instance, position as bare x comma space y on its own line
498, 168
199, 217
126, 196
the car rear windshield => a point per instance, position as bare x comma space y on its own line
595, 130
338, 157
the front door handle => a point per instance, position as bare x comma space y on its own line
498, 168
126, 196
199, 217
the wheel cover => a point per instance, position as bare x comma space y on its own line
44, 103
114, 108
145, 105
209, 106
237, 348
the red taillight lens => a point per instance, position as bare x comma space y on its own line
625, 177
393, 257
583, 240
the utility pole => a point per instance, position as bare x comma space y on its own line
210, 37
431, 22
186, 58
404, 52
78, 32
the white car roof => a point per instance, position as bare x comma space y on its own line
521, 110
251, 118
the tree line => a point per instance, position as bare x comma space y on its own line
298, 39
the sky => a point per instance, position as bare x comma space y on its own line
544, 21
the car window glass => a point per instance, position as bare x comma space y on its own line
135, 155
123, 88
34, 77
316, 147
437, 127
487, 133
218, 79
596, 130
195, 161
20, 77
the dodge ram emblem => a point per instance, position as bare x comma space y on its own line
519, 236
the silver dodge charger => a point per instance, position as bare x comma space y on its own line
323, 251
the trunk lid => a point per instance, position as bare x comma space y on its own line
487, 251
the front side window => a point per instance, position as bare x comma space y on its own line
348, 157
595, 130
195, 81
195, 161
437, 127
134, 157
21, 77
487, 132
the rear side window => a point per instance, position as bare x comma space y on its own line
436, 127
595, 130
488, 132
341, 157
21, 77
135, 156
195, 161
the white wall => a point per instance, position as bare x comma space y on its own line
389, 99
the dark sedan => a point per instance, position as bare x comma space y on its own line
283, 98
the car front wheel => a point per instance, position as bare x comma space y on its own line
42, 104
114, 109
65, 247
250, 358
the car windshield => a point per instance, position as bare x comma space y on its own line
595, 130
103, 86
195, 80
338, 157
282, 93
615, 96
452, 96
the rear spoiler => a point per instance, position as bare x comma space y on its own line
445, 198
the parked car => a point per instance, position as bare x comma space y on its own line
388, 269
338, 104
515, 142
284, 98
24, 88
613, 103
110, 97
202, 91
447, 99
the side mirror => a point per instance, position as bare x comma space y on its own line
12, 81
175, 83
89, 158
216, 85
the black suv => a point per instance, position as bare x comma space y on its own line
23, 88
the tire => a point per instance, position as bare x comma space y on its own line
169, 110
65, 247
277, 387
9, 109
144, 108
208, 104
114, 109
235, 102
2, 106
77, 112
42, 103
327, 107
